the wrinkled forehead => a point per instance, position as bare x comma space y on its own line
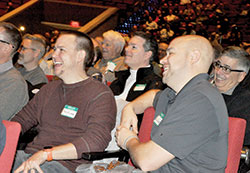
229, 61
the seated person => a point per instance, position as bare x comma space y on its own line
13, 88
112, 61
190, 128
31, 51
231, 77
140, 77
73, 115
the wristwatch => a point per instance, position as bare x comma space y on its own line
48, 150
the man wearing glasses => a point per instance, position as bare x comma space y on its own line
13, 88
31, 51
231, 78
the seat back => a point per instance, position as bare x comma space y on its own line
236, 135
50, 77
146, 126
12, 135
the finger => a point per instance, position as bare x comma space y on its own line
134, 126
38, 169
19, 169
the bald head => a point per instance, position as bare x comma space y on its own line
187, 56
198, 49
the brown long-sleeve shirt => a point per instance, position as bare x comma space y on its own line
88, 130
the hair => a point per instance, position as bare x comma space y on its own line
13, 35
38, 39
240, 54
83, 42
150, 44
116, 38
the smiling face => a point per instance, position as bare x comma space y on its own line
174, 63
64, 56
223, 81
136, 56
109, 49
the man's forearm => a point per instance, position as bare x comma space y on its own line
64, 152
144, 101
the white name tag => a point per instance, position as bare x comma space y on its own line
139, 87
111, 66
69, 111
159, 119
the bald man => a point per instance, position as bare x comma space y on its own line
189, 132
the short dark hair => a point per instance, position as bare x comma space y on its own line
240, 54
83, 42
150, 44
13, 35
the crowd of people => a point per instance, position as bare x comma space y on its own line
102, 86
211, 19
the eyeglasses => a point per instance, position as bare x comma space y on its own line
2, 41
226, 69
26, 48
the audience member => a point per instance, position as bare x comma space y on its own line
13, 88
191, 118
2, 136
31, 51
230, 72
139, 78
112, 60
73, 115
162, 50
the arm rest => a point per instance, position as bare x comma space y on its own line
245, 155
122, 155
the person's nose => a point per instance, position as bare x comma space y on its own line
164, 60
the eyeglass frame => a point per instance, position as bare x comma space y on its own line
217, 64
6, 42
23, 48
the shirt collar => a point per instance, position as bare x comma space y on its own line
6, 66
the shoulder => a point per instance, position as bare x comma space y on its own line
12, 77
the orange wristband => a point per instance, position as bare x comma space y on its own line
49, 153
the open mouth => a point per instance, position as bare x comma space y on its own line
56, 62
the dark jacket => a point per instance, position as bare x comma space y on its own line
144, 76
238, 105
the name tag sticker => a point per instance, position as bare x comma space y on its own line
111, 66
159, 119
139, 87
69, 111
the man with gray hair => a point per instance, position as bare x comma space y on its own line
13, 88
231, 77
112, 47
31, 51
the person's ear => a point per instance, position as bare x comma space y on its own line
242, 76
148, 55
195, 56
80, 57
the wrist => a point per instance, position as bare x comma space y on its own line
128, 139
48, 150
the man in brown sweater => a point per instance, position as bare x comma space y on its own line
73, 115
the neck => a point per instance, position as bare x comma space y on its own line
75, 78
30, 67
141, 66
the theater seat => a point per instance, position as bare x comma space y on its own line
236, 135
12, 134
